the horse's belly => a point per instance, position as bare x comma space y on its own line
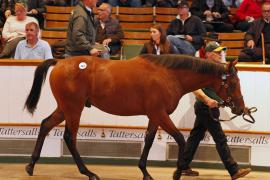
120, 104
118, 109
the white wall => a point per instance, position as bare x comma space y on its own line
16, 82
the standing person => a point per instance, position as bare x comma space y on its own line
109, 31
253, 39
214, 14
81, 33
14, 30
207, 98
186, 31
158, 43
248, 11
33, 47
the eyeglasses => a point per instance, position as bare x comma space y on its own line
266, 11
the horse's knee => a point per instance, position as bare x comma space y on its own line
179, 138
43, 125
149, 137
67, 135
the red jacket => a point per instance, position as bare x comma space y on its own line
249, 8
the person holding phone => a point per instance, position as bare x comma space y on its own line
186, 31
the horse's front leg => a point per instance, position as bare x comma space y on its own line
70, 136
167, 124
46, 125
149, 138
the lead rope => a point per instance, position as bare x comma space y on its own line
247, 112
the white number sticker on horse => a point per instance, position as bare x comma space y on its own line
82, 65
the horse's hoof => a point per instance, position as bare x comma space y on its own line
148, 178
177, 175
29, 169
94, 177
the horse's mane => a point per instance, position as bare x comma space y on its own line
195, 64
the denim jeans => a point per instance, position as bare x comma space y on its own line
183, 46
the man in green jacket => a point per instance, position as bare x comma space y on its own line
81, 34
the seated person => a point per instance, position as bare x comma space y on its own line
126, 3
214, 14
232, 3
5, 11
14, 30
36, 9
167, 3
56, 3
33, 47
109, 32
253, 39
248, 11
186, 31
158, 43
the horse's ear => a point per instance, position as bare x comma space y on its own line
234, 62
231, 64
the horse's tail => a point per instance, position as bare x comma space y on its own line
39, 79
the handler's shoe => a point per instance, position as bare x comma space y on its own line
189, 172
241, 173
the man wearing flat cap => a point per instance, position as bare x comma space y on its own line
186, 31
207, 100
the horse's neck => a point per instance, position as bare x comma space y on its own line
192, 81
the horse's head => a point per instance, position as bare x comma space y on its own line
230, 89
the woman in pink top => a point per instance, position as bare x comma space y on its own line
14, 30
248, 11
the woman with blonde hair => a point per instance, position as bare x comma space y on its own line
158, 43
14, 30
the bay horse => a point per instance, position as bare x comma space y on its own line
148, 85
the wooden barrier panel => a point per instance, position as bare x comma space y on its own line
233, 41
136, 19
57, 17
53, 36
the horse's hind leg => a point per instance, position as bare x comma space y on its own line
149, 138
72, 125
46, 125
167, 124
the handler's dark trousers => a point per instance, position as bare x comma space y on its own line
202, 123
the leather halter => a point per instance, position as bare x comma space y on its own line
230, 103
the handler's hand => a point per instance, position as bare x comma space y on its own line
211, 103
94, 52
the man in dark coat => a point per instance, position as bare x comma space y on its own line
109, 31
215, 18
253, 38
186, 31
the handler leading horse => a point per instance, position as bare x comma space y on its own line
146, 85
